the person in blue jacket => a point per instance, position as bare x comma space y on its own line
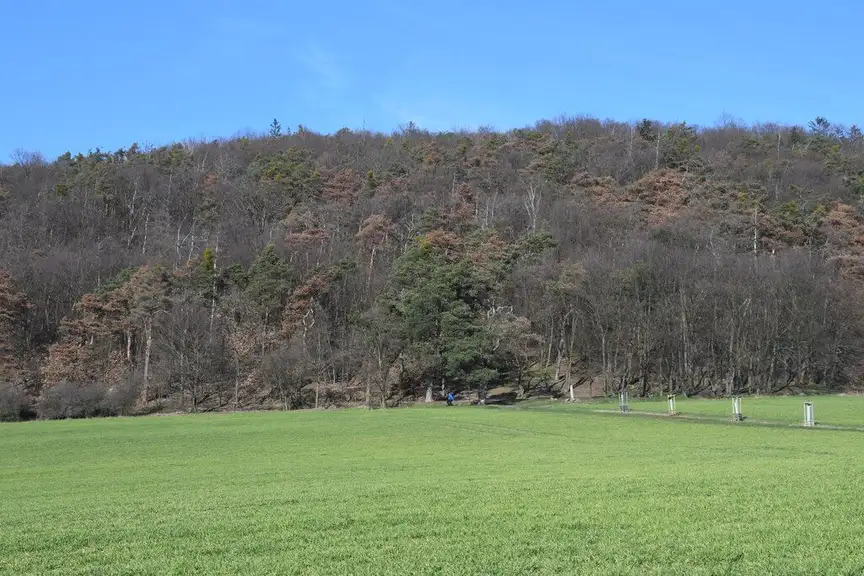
450, 398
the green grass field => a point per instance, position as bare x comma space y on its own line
844, 411
430, 491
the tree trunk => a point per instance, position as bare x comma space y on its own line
264, 332
371, 265
144, 242
428, 393
730, 385
560, 357
520, 386
604, 355
148, 346
213, 287
317, 390
686, 371
381, 374
183, 366
236, 381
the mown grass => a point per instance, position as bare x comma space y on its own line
428, 491
829, 410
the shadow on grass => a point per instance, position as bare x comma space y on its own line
510, 399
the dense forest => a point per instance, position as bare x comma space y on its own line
292, 269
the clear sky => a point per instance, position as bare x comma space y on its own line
77, 75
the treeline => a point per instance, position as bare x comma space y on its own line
295, 269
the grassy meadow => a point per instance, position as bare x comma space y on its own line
841, 411
462, 490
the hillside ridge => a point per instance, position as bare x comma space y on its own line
297, 269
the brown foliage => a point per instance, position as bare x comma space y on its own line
443, 241
844, 231
304, 297
13, 310
96, 342
652, 246
342, 187
665, 194
375, 230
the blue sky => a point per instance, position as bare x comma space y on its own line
75, 76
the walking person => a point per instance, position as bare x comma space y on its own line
450, 398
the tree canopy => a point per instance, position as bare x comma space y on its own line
299, 269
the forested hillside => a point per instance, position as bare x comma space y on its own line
295, 269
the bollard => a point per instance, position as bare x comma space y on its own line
809, 419
737, 416
624, 401
671, 399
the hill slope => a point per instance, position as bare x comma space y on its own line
300, 269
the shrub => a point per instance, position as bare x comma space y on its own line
69, 400
121, 398
13, 402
